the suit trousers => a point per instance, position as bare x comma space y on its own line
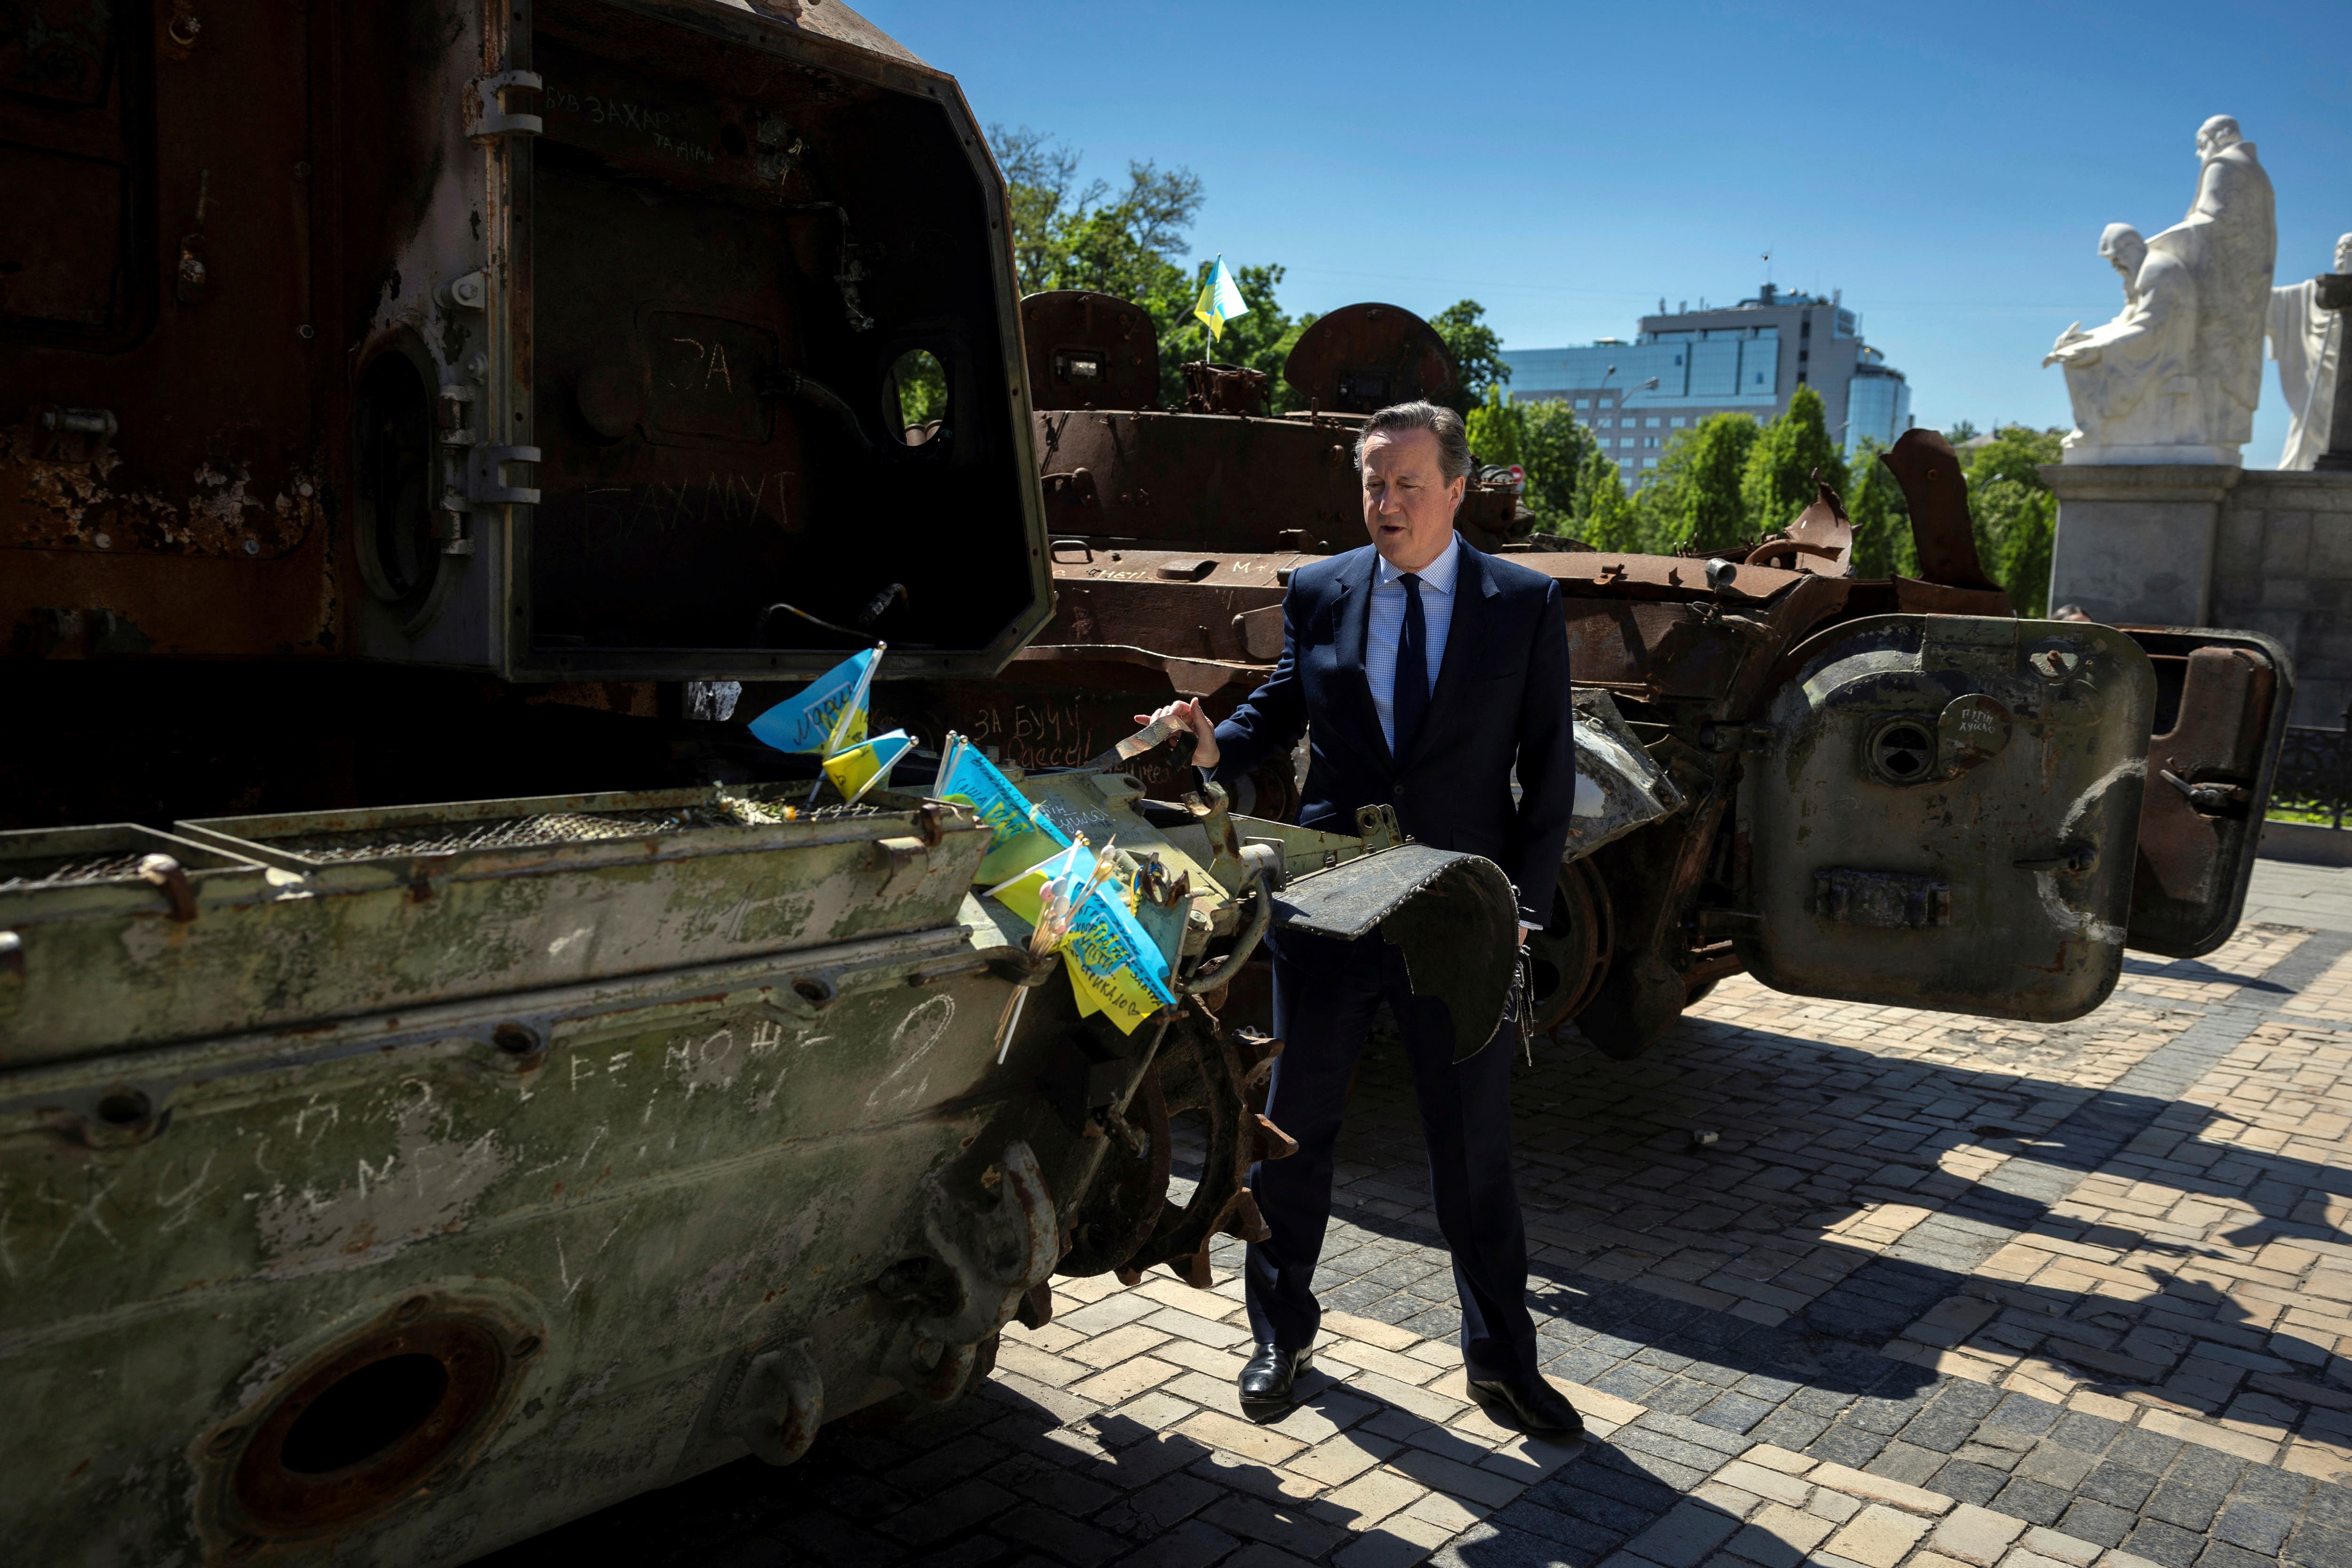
1326, 993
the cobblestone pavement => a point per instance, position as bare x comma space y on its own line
1942, 1292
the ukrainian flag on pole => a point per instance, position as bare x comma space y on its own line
1220, 301
828, 715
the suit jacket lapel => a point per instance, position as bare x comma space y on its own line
1465, 644
1355, 627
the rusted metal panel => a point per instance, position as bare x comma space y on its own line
1088, 351
1944, 812
1361, 358
554, 348
1936, 495
2221, 706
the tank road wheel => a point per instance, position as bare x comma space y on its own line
1221, 1074
1124, 1206
1570, 954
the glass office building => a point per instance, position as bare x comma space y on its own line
1749, 358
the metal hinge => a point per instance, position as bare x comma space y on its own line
486, 110
486, 479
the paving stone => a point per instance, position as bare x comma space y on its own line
2089, 1521
2167, 1544
2061, 1547
956, 1507
2030, 1500
1684, 1536
2253, 1527
2146, 1451
1561, 1528
2221, 1554
1976, 1534
1900, 1461
2119, 1486
1154, 1509
2319, 1546
1878, 1537
1081, 1546
1779, 1537
2208, 1469
2178, 1502
2054, 1466
1846, 1446
1288, 1528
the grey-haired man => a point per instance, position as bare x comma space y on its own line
1423, 672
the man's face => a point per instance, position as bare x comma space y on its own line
2344, 254
1408, 501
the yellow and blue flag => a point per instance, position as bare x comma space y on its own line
1024, 894
1220, 301
1114, 965
1023, 835
1114, 968
826, 715
866, 766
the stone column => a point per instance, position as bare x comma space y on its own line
2136, 540
2334, 294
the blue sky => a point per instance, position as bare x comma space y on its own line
1949, 167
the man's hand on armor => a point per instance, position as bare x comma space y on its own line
1189, 714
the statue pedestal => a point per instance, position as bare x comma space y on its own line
2136, 540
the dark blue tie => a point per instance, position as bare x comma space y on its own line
1411, 699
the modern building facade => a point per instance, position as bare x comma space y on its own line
1749, 358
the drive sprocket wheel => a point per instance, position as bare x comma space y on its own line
1222, 1074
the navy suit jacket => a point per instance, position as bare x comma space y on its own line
1501, 700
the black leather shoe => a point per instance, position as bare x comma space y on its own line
1267, 1381
1532, 1405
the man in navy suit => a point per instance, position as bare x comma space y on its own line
1423, 673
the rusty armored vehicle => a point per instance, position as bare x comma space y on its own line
444, 1087
1885, 791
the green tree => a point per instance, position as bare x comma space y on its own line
2015, 514
1605, 517
1478, 351
1883, 545
1068, 236
1547, 440
1778, 482
1553, 447
1496, 426
1692, 499
1962, 432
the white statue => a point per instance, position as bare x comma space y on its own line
2307, 342
2131, 379
2175, 378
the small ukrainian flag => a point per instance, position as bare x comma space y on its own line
867, 765
1220, 301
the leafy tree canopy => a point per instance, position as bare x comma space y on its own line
1693, 500
1777, 482
1478, 363
1883, 545
1066, 235
2015, 514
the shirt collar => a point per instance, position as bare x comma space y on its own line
1437, 575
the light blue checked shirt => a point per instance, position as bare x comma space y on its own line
1388, 625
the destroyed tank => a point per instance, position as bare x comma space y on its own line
446, 1087
1886, 791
